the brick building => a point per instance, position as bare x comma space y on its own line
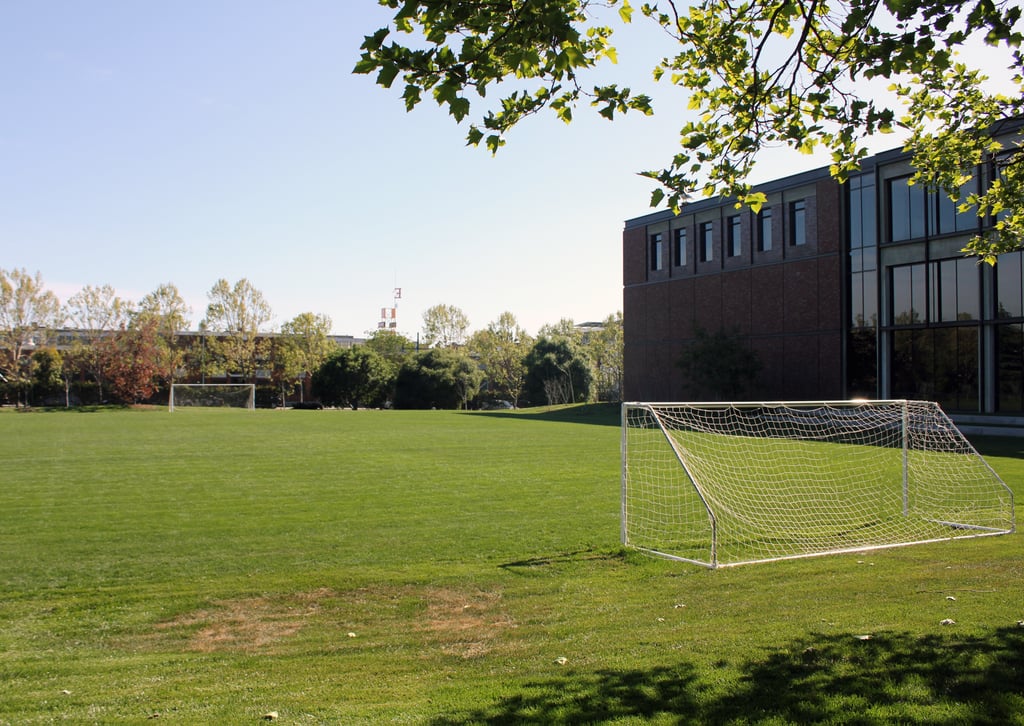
841, 290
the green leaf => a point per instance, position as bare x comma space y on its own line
626, 12
387, 75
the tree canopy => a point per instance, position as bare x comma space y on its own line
444, 326
756, 73
28, 312
437, 378
353, 377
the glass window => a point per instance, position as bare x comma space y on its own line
679, 248
862, 364
906, 210
968, 289
1010, 376
798, 222
733, 226
764, 229
707, 241
863, 300
908, 293
910, 373
947, 299
1008, 286
944, 215
862, 211
656, 263
955, 290
857, 300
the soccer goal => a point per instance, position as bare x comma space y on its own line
234, 395
722, 484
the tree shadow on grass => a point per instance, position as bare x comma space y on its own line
591, 698
600, 414
850, 679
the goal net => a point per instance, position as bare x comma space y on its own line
728, 484
234, 395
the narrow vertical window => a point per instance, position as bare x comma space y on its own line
656, 263
907, 215
707, 242
798, 223
679, 249
764, 229
733, 234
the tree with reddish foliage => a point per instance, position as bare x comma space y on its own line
131, 358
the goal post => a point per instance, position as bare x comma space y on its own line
722, 484
212, 395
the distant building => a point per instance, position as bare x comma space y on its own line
842, 290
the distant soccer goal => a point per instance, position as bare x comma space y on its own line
735, 483
212, 395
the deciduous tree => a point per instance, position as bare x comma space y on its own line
236, 315
501, 349
604, 347
557, 372
95, 313
393, 346
444, 326
167, 310
755, 73
355, 377
28, 314
437, 378
131, 358
304, 346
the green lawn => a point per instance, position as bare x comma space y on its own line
448, 568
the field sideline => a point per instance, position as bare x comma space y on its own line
442, 567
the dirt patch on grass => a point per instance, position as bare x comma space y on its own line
246, 624
458, 622
464, 624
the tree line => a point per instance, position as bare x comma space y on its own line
98, 347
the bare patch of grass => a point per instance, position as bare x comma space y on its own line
461, 623
247, 624
465, 624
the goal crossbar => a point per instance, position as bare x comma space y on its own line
722, 484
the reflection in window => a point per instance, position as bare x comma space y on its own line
939, 364
707, 241
955, 290
798, 222
679, 248
656, 263
1010, 375
906, 210
1008, 286
764, 229
908, 292
733, 227
944, 215
915, 211
862, 217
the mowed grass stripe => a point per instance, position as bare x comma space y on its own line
220, 493
209, 567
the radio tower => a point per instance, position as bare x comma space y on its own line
389, 316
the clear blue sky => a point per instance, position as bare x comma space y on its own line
143, 143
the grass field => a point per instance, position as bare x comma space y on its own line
448, 568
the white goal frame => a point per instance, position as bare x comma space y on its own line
237, 395
724, 484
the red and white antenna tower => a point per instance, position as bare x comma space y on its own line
389, 316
